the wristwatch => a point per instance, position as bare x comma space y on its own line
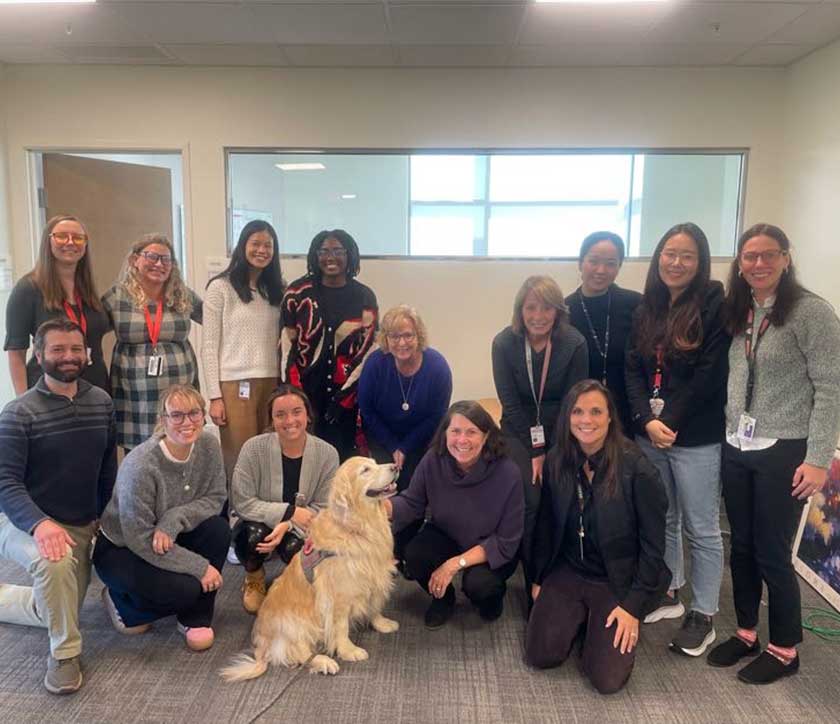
462, 563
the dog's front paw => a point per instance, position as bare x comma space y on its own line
384, 625
323, 665
352, 653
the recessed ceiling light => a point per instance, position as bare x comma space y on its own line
348, 196
300, 166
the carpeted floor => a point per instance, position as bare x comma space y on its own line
465, 672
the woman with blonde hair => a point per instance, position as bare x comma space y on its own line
162, 542
61, 284
150, 309
536, 360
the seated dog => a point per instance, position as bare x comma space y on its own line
343, 576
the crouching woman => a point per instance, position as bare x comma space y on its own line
162, 542
600, 540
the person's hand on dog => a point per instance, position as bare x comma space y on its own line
399, 458
161, 542
441, 578
272, 540
302, 517
389, 508
211, 580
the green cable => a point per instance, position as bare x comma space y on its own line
830, 632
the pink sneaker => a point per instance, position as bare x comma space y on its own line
198, 638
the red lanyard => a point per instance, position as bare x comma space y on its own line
657, 375
81, 320
154, 329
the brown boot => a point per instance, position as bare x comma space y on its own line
253, 590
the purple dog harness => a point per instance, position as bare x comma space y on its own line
311, 557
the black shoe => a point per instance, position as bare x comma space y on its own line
766, 669
439, 612
492, 610
696, 634
731, 651
668, 607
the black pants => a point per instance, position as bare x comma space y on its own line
764, 518
247, 534
484, 586
412, 460
341, 433
570, 606
144, 593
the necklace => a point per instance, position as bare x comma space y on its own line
405, 393
606, 348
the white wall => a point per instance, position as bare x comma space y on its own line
812, 171
6, 390
464, 303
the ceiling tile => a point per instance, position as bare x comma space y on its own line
728, 22
256, 54
625, 54
187, 23
324, 24
454, 55
455, 24
29, 53
340, 56
773, 54
49, 24
554, 24
820, 25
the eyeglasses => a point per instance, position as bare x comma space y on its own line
324, 253
178, 417
771, 256
65, 237
154, 258
684, 258
404, 337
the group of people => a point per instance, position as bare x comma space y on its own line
623, 415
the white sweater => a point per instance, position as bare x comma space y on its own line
239, 341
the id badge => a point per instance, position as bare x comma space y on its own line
245, 390
746, 427
537, 436
657, 404
155, 366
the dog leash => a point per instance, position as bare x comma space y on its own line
282, 691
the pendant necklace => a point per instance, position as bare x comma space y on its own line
405, 393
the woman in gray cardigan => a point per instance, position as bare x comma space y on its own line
280, 481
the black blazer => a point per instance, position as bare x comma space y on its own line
631, 531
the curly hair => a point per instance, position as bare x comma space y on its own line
176, 295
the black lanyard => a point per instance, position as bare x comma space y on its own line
751, 350
530, 369
581, 504
603, 352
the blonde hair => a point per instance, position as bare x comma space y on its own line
402, 313
187, 392
547, 291
175, 293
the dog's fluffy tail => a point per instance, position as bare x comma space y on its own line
244, 667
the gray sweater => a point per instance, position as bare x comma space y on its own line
797, 379
155, 493
256, 488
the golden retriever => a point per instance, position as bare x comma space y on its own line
298, 617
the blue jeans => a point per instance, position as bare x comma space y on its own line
692, 481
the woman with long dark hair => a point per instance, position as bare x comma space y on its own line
599, 544
61, 284
239, 343
329, 327
782, 424
676, 367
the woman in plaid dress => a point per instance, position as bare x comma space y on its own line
153, 349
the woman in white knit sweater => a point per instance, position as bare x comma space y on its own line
239, 342
282, 478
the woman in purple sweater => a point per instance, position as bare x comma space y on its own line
473, 494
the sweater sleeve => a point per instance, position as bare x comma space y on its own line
503, 378
441, 384
108, 470
542, 546
138, 492
20, 315
820, 344
15, 501
652, 577
197, 314
211, 335
371, 383
502, 545
245, 485
410, 505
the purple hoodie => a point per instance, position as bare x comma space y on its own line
484, 506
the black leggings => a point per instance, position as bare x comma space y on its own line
247, 534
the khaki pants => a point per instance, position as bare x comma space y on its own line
55, 598
245, 418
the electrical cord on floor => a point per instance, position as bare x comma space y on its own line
282, 691
822, 622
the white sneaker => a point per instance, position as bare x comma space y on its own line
231, 557
668, 608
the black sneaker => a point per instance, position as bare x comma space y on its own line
439, 612
766, 669
695, 635
491, 610
669, 607
731, 651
